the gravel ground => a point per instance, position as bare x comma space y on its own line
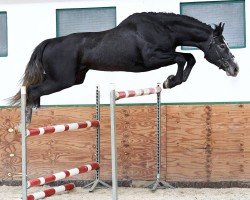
14, 192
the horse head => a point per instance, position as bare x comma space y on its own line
219, 54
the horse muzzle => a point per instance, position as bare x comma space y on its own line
231, 68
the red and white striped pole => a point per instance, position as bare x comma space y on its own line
61, 128
51, 191
134, 93
62, 175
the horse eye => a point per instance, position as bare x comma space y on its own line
222, 46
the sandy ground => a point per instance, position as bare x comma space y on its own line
9, 193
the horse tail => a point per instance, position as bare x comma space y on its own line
34, 73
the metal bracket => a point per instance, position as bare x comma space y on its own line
158, 184
97, 183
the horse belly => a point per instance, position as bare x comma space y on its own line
115, 59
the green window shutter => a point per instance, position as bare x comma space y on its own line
85, 20
3, 34
232, 13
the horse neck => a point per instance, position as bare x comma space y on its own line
193, 34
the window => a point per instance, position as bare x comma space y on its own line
3, 34
232, 13
85, 20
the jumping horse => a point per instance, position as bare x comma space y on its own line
142, 42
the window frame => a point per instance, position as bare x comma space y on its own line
219, 2
6, 53
63, 9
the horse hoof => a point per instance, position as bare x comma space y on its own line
166, 83
34, 109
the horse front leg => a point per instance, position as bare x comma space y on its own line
158, 57
177, 79
190, 63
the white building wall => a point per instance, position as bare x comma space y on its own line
33, 21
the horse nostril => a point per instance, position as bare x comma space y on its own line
236, 70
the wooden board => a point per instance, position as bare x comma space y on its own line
186, 143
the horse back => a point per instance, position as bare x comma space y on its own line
122, 48
118, 49
113, 50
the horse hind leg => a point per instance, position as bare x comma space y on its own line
49, 86
32, 102
44, 88
28, 114
30, 108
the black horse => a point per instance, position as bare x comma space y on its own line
142, 42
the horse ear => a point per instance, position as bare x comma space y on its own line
222, 27
219, 29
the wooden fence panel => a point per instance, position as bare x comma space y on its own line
206, 143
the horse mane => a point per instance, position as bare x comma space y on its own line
185, 17
164, 15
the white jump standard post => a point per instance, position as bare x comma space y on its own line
113, 144
114, 95
24, 143
97, 183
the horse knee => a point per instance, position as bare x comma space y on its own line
192, 60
